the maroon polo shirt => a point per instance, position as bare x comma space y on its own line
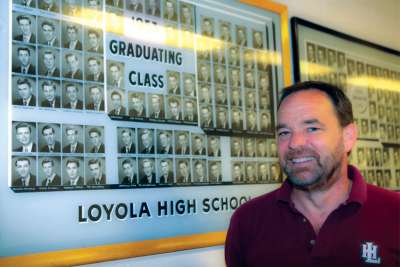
268, 231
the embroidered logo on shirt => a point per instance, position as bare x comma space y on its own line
369, 253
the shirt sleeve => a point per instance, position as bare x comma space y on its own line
233, 251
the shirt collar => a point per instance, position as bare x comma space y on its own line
358, 193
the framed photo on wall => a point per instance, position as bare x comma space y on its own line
369, 74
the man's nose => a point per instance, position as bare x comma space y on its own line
297, 139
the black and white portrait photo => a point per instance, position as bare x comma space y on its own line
24, 91
24, 137
49, 137
72, 138
24, 171
72, 96
94, 139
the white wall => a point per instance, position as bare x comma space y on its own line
377, 21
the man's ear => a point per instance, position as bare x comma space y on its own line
350, 134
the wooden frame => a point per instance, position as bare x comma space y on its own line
149, 247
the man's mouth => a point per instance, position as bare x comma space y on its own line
301, 160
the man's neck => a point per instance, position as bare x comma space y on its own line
317, 203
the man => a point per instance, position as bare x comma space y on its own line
167, 176
322, 194
237, 173
129, 170
204, 72
127, 138
273, 150
219, 74
25, 93
190, 111
72, 41
25, 27
275, 173
182, 147
96, 141
249, 147
206, 119
72, 169
156, 105
251, 175
237, 122
236, 147
205, 94
73, 145
262, 172
25, 66
222, 120
188, 85
265, 121
116, 103
49, 135
138, 109
251, 121
153, 7
187, 20
50, 176
24, 136
96, 98
49, 68
183, 172
311, 53
23, 178
174, 108
249, 66
94, 41
214, 149
49, 34
234, 58
73, 101
225, 31
207, 27
149, 176
96, 172
241, 36
249, 81
264, 82
170, 12
234, 77
73, 67
198, 145
199, 172
220, 95
236, 97
261, 148
147, 141
251, 99
257, 39
215, 172
134, 5
264, 101
165, 143
49, 5
173, 83
52, 100
71, 8
94, 68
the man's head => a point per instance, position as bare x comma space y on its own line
174, 107
147, 167
215, 170
199, 168
23, 167
198, 142
95, 137
71, 92
189, 108
49, 90
173, 81
137, 102
49, 60
72, 33
214, 143
128, 168
24, 23
23, 133
93, 39
24, 55
48, 30
165, 167
183, 168
315, 133
72, 61
96, 95
72, 135
237, 171
188, 85
48, 133
165, 139
116, 99
94, 65
95, 168
48, 167
182, 140
205, 113
115, 72
72, 168
24, 88
147, 138
126, 136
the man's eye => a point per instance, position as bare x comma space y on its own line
283, 133
312, 129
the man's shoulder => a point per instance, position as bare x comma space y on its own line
378, 196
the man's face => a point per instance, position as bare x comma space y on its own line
257, 39
249, 147
204, 72
146, 140
311, 145
251, 119
186, 13
95, 170
155, 103
241, 35
221, 95
24, 58
48, 32
95, 95
147, 168
25, 26
173, 82
137, 103
205, 94
221, 116
128, 169
237, 172
205, 113
215, 171
182, 140
93, 40
207, 27
249, 78
48, 169
236, 146
169, 8
24, 135
72, 170
126, 138
199, 170
23, 168
72, 136
235, 96
214, 144
183, 169
165, 140
263, 169
49, 137
72, 34
24, 91
93, 66
236, 116
116, 101
188, 86
250, 171
264, 83
72, 93
198, 143
189, 108
49, 92
115, 73
95, 138
73, 63
261, 147
164, 167
174, 108
49, 61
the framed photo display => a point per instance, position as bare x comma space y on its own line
157, 114
369, 74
